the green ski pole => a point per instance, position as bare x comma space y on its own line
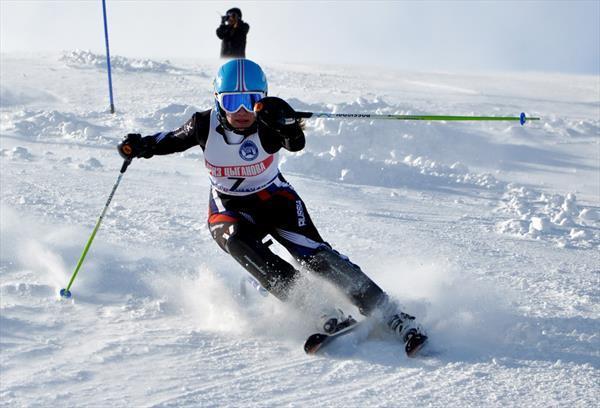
66, 293
521, 118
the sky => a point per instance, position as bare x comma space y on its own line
449, 36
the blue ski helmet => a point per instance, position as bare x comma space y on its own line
238, 75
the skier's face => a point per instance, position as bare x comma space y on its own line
241, 119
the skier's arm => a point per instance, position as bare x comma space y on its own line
193, 132
278, 125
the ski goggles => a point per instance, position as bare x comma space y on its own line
231, 102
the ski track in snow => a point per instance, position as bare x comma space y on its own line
489, 233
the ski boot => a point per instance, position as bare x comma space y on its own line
401, 324
411, 334
336, 321
335, 324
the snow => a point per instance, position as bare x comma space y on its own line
488, 232
87, 59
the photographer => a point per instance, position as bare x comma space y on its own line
232, 32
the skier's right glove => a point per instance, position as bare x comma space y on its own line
134, 145
278, 125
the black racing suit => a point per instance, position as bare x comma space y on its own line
239, 225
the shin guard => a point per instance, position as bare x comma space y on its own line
273, 273
360, 289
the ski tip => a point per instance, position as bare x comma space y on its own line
415, 345
314, 342
312, 350
522, 118
64, 293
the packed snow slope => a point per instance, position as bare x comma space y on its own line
488, 232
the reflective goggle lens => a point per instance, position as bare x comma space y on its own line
233, 102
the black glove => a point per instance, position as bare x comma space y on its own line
224, 19
134, 145
278, 125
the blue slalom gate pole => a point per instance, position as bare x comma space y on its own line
110, 91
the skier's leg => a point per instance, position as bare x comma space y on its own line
237, 237
273, 273
365, 294
292, 226
336, 268
295, 230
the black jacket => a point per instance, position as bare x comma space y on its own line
233, 44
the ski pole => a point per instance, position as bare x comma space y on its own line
521, 118
66, 293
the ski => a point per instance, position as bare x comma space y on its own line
318, 341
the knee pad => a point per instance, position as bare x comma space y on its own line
221, 228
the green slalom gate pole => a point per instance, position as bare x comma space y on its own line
66, 293
521, 118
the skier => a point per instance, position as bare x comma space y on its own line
232, 32
250, 198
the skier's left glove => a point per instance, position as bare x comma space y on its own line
278, 125
134, 145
